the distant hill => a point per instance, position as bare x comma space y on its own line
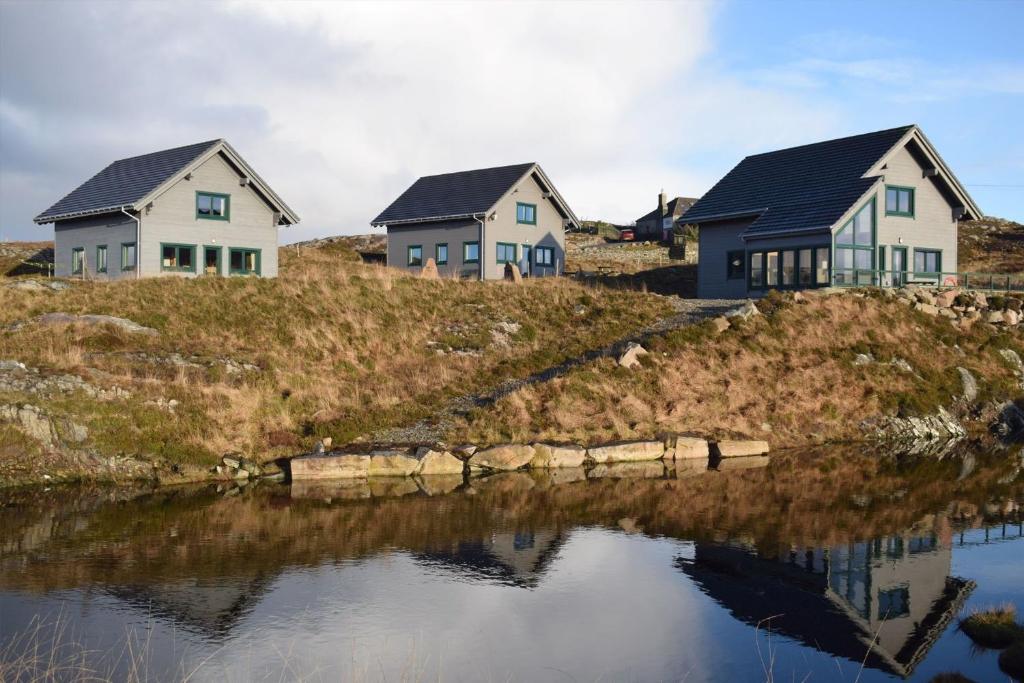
991, 245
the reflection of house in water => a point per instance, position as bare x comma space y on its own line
515, 559
837, 599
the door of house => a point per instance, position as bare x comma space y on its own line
211, 260
527, 259
899, 266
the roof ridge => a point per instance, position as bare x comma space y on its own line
205, 145
481, 170
833, 140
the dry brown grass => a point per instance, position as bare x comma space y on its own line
343, 348
991, 245
787, 377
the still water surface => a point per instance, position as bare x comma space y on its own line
788, 571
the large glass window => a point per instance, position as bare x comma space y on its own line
927, 262
899, 201
822, 257
415, 255
756, 270
806, 277
244, 261
177, 257
771, 268
788, 268
855, 248
471, 252
526, 213
544, 256
506, 252
734, 265
213, 206
77, 260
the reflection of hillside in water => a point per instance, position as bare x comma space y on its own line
200, 558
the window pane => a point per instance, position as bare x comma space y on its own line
169, 260
442, 253
734, 266
772, 269
250, 261
862, 225
204, 204
236, 260
862, 259
821, 264
891, 201
128, 256
756, 269
806, 274
415, 256
210, 259
788, 267
471, 251
184, 257
904, 196
845, 236
531, 214
217, 206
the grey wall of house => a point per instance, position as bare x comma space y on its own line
649, 228
89, 233
172, 220
548, 232
931, 227
716, 241
428, 236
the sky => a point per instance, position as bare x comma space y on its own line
340, 106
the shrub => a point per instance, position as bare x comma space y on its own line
996, 627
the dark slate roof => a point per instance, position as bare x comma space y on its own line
805, 187
673, 207
451, 195
124, 182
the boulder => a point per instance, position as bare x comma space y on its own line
465, 451
945, 298
1011, 317
688, 448
747, 310
627, 451
433, 462
558, 476
994, 317
970, 385
512, 273
736, 449
682, 469
630, 358
948, 313
392, 463
928, 309
924, 296
429, 270
980, 300
549, 455
505, 457
341, 466
438, 484
720, 324
392, 487
90, 320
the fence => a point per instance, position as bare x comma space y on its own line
859, 277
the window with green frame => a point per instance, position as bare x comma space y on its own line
787, 268
927, 262
178, 257
899, 201
526, 213
78, 260
242, 261
101, 258
414, 255
441, 254
213, 206
506, 252
855, 248
471, 252
129, 257
544, 256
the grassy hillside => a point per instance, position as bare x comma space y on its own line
333, 347
789, 376
992, 245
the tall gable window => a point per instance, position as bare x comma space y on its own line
213, 206
899, 201
855, 248
526, 213
77, 261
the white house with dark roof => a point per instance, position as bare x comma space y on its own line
187, 211
473, 223
875, 209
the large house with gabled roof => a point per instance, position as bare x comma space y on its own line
474, 223
875, 209
187, 211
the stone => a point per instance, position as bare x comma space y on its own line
465, 451
720, 324
342, 466
392, 487
1014, 304
433, 462
627, 451
231, 461
799, 298
558, 476
329, 491
689, 448
438, 484
902, 364
429, 270
1011, 317
746, 311
512, 274
393, 463
994, 317
326, 442
12, 365
692, 467
970, 385
27, 285
863, 359
735, 449
980, 300
91, 320
505, 457
628, 470
550, 455
927, 309
945, 298
630, 358
36, 425
924, 296
746, 462
948, 313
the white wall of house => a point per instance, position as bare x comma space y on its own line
548, 232
172, 220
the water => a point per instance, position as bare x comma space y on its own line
788, 572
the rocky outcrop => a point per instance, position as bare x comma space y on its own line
744, 312
688, 448
503, 458
16, 377
548, 456
909, 431
393, 463
434, 462
92, 320
962, 307
333, 466
627, 451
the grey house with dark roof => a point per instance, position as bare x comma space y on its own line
198, 209
472, 223
874, 209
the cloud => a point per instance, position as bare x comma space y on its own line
341, 105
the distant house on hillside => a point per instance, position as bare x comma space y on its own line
472, 223
658, 224
879, 208
186, 211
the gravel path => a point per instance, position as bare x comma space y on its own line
687, 312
